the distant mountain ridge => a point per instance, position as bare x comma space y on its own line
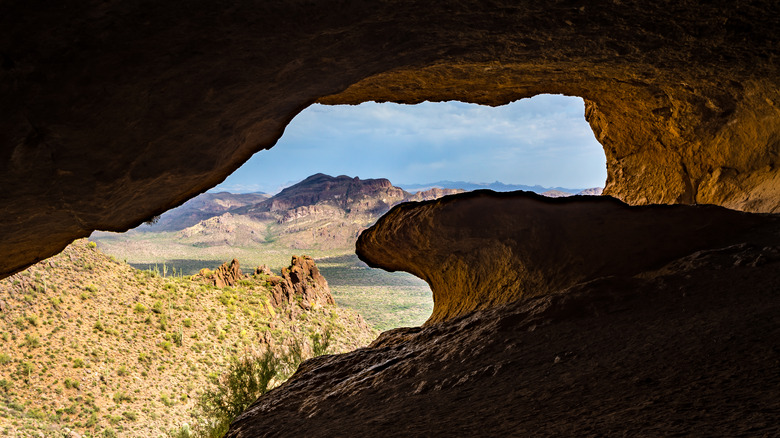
322, 215
321, 212
496, 186
202, 207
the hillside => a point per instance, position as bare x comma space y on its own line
92, 345
201, 208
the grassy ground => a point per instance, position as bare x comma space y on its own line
386, 300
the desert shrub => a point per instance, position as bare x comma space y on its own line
163, 322
31, 341
246, 379
320, 342
167, 401
24, 369
78, 363
4, 358
182, 432
120, 397
157, 307
187, 322
92, 245
6, 385
139, 308
71, 383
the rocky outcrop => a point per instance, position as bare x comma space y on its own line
480, 249
301, 283
263, 270
689, 349
227, 274
115, 112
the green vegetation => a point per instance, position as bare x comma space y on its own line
386, 300
123, 352
246, 379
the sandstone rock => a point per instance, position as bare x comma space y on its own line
115, 112
225, 275
483, 248
263, 270
301, 283
689, 348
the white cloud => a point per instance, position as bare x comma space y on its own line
542, 140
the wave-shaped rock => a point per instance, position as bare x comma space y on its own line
483, 248
689, 349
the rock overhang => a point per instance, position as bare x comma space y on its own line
114, 113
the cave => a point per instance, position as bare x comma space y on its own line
114, 112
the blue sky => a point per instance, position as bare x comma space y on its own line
543, 140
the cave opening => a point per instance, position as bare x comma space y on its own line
320, 174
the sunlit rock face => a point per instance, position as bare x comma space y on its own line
482, 249
113, 112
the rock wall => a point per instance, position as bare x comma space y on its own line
114, 112
689, 350
481, 249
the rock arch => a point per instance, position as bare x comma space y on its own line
114, 112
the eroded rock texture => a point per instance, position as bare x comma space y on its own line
481, 249
113, 112
301, 282
688, 350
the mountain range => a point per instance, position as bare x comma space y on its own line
496, 186
322, 215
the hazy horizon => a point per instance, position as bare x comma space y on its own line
543, 141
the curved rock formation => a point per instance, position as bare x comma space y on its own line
114, 112
481, 249
689, 350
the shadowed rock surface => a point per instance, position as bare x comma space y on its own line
690, 348
114, 112
483, 248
